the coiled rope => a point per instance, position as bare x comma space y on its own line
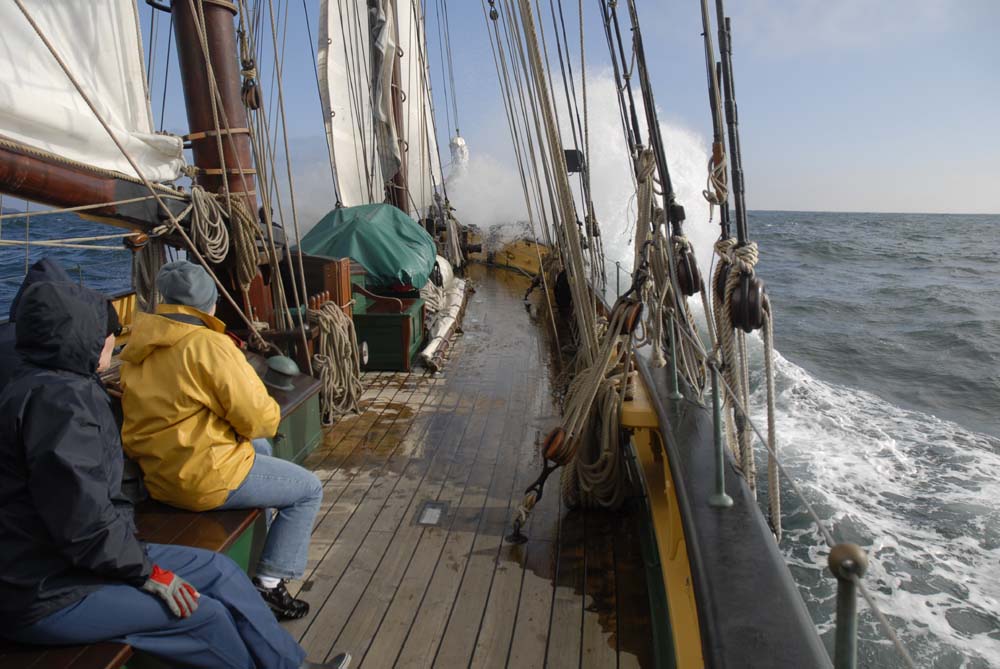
246, 231
735, 261
587, 443
207, 220
338, 362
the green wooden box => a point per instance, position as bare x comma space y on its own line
393, 337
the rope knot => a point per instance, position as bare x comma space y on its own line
724, 248
745, 257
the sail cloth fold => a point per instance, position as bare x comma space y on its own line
423, 165
382, 24
357, 53
39, 108
344, 64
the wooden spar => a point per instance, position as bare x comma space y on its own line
397, 190
30, 176
204, 134
220, 33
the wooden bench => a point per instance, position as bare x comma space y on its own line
221, 531
226, 532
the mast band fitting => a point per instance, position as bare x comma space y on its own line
205, 134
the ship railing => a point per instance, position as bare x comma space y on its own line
847, 562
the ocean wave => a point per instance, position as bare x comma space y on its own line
920, 494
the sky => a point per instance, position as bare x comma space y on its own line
845, 105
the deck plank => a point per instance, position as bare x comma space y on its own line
437, 581
465, 619
496, 632
566, 624
600, 618
340, 531
436, 480
394, 593
386, 515
634, 626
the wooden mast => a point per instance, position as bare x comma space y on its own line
232, 126
220, 35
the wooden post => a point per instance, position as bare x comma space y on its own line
220, 34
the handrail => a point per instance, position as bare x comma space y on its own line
824, 531
848, 571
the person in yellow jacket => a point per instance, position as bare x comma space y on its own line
195, 418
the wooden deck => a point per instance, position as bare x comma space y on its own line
396, 593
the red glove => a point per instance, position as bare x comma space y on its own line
179, 595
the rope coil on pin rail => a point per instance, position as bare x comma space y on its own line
599, 478
338, 361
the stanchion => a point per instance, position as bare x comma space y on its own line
719, 499
848, 563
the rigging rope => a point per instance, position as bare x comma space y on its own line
174, 223
338, 362
208, 225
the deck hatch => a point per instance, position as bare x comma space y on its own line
431, 513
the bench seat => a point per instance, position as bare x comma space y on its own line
220, 531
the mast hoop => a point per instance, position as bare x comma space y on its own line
225, 4
205, 134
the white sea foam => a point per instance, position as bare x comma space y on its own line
921, 494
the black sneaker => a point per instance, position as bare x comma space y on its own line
338, 662
285, 606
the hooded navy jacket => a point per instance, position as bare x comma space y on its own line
43, 270
64, 528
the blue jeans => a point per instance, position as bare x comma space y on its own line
295, 493
232, 627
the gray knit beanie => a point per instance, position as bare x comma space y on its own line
183, 282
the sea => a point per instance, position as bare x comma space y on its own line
887, 328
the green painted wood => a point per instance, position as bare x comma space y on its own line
388, 347
300, 432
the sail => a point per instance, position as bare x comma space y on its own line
40, 108
346, 91
422, 160
354, 85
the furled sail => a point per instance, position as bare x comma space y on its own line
346, 91
356, 54
422, 160
39, 107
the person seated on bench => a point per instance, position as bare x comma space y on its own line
45, 269
192, 405
71, 568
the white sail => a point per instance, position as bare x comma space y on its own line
422, 160
39, 107
346, 90
353, 103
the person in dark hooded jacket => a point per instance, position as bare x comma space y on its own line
71, 568
45, 269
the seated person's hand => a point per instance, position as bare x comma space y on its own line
179, 595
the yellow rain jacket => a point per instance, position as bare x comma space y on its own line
192, 403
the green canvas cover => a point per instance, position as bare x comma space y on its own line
392, 247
